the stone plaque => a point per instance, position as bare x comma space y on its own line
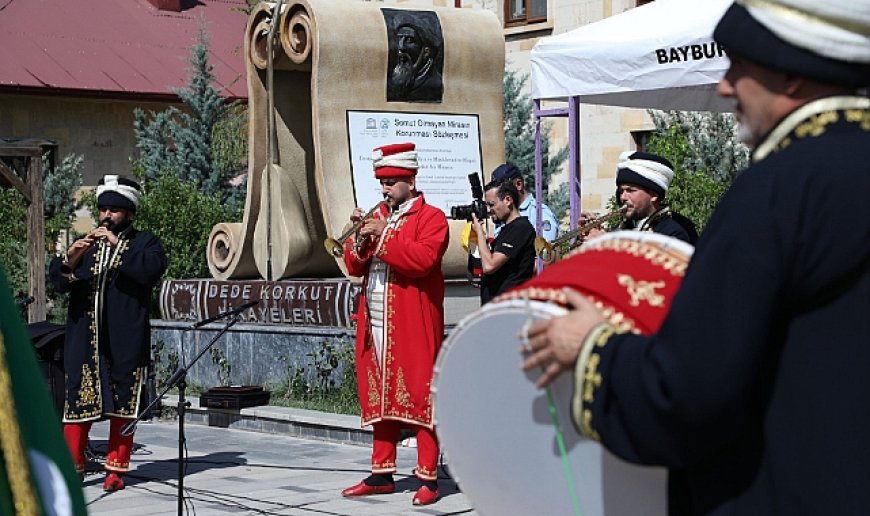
329, 303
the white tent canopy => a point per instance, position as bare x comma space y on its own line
660, 55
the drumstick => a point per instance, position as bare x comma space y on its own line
560, 439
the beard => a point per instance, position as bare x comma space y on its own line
746, 135
116, 227
403, 74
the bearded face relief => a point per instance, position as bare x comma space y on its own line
416, 56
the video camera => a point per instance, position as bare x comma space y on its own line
477, 206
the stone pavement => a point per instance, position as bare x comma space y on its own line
242, 472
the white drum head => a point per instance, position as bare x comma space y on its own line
498, 435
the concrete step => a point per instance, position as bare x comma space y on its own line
294, 422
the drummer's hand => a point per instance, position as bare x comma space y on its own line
555, 343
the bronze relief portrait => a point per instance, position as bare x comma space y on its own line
416, 56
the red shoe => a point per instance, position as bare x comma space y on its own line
363, 489
425, 496
113, 482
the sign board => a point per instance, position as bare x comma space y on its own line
329, 303
448, 149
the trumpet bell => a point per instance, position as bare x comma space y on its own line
544, 249
334, 247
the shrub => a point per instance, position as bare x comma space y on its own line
182, 217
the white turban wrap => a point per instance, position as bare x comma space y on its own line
407, 159
837, 29
114, 183
653, 171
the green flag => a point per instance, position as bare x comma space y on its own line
37, 476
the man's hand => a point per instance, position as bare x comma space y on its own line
554, 344
78, 249
373, 227
103, 233
478, 228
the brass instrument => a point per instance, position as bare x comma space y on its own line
548, 251
335, 246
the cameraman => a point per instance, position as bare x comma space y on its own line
511, 260
528, 205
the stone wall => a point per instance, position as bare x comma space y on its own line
256, 354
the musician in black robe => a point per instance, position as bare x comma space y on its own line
110, 274
642, 181
755, 392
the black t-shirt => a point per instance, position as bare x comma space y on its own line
517, 241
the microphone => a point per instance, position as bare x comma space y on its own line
233, 311
26, 301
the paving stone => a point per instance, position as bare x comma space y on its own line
238, 472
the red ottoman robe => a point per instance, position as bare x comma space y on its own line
398, 388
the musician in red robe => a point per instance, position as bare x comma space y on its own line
400, 322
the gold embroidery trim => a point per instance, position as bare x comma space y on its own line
426, 473
384, 467
774, 140
588, 379
374, 399
642, 290
403, 398
14, 454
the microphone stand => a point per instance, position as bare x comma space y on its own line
179, 378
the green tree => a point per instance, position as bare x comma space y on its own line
519, 136
712, 146
187, 159
706, 156
59, 185
13, 238
203, 143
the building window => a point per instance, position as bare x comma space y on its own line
522, 12
641, 139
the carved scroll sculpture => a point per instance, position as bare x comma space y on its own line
336, 56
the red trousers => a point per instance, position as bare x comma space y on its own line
120, 447
386, 433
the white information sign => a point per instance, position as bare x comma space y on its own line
448, 149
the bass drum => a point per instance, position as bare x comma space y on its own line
495, 426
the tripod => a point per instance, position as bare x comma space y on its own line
179, 379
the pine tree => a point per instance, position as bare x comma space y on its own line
519, 135
60, 183
184, 142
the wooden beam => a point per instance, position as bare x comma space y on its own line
35, 242
12, 178
21, 150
